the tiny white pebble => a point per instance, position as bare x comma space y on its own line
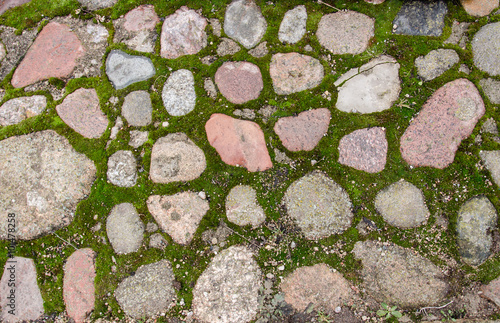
338, 309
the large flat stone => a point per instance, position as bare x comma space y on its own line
18, 109
364, 149
420, 18
239, 82
123, 69
448, 117
179, 95
435, 63
485, 49
479, 8
137, 108
242, 207
293, 25
244, 23
43, 179
238, 142
124, 228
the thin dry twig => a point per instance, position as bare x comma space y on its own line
424, 309
329, 5
66, 241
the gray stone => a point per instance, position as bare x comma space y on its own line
97, 4
176, 158
420, 18
242, 207
491, 88
319, 206
227, 47
149, 292
216, 26
125, 229
151, 227
18, 109
116, 128
208, 60
244, 113
399, 276
178, 215
123, 69
16, 45
293, 25
345, 32
435, 63
485, 48
122, 169
138, 138
210, 88
3, 52
137, 108
373, 87
259, 51
490, 126
43, 179
158, 241
227, 291
464, 69
476, 220
402, 204
491, 160
28, 302
458, 34
244, 23
179, 96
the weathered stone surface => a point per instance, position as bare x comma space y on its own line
122, 169
479, 8
294, 72
238, 142
123, 69
399, 276
239, 82
183, 33
477, 219
137, 108
402, 204
490, 126
227, 47
209, 86
373, 87
319, 206
304, 131
435, 63
125, 229
42, 178
9, 4
81, 112
137, 29
149, 292
491, 160
138, 138
244, 23
176, 158
242, 207
16, 46
28, 302
158, 241
216, 26
227, 291
485, 48
259, 51
18, 109
447, 117
492, 291
244, 113
420, 18
458, 34
97, 4
116, 128
57, 47
318, 284
345, 32
179, 96
178, 215
293, 25
78, 285
364, 149
491, 88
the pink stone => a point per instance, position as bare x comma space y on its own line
8, 4
448, 117
183, 33
492, 291
53, 54
304, 131
80, 110
239, 82
479, 8
364, 149
141, 18
238, 142
78, 285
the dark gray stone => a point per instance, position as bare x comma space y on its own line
420, 18
123, 69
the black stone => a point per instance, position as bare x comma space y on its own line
420, 18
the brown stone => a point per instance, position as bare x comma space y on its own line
492, 291
78, 285
80, 110
304, 131
238, 142
239, 82
448, 117
479, 8
364, 149
53, 54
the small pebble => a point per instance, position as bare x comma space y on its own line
281, 267
338, 309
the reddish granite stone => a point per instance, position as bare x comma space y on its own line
53, 54
78, 285
141, 18
239, 82
304, 131
448, 117
80, 110
238, 142
492, 291
364, 149
8, 4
